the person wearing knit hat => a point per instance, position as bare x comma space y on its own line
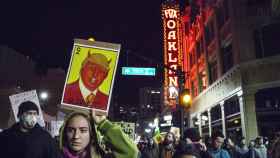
28, 114
26, 138
84, 91
26, 106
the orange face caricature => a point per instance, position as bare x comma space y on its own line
84, 91
94, 70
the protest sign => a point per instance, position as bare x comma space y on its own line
17, 99
91, 74
128, 128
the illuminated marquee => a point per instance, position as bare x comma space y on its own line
172, 51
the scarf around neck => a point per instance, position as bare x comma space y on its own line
68, 154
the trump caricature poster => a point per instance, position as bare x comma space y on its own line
91, 74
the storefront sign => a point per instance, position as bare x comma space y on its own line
172, 51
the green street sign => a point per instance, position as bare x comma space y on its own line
138, 71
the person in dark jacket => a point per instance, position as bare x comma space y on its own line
167, 147
185, 150
193, 140
27, 139
150, 150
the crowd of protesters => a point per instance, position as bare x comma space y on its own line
88, 135
83, 135
216, 146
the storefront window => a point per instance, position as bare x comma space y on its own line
204, 124
268, 111
196, 122
233, 128
233, 119
216, 118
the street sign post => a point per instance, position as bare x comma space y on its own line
141, 71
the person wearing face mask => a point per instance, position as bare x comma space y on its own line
26, 138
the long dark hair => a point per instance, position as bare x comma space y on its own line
173, 136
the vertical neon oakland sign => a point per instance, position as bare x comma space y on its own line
172, 51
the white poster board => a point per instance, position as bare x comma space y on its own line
55, 126
128, 128
17, 99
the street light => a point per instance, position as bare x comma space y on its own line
44, 95
185, 98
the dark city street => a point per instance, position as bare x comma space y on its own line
140, 79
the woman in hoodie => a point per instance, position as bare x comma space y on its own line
79, 138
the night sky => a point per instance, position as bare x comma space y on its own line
44, 30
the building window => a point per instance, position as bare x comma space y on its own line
204, 124
266, 41
220, 17
268, 110
227, 58
192, 59
213, 72
231, 106
233, 118
226, 9
222, 14
209, 32
202, 81
216, 118
199, 48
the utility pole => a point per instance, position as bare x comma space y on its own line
181, 82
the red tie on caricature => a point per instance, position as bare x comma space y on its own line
90, 98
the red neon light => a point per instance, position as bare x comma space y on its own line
172, 51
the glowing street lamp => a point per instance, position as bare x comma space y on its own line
44, 95
185, 98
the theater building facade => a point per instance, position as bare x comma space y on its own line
232, 59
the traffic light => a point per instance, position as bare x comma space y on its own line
185, 98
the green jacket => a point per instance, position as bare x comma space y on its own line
113, 136
122, 145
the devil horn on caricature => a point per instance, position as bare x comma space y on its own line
109, 61
88, 52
